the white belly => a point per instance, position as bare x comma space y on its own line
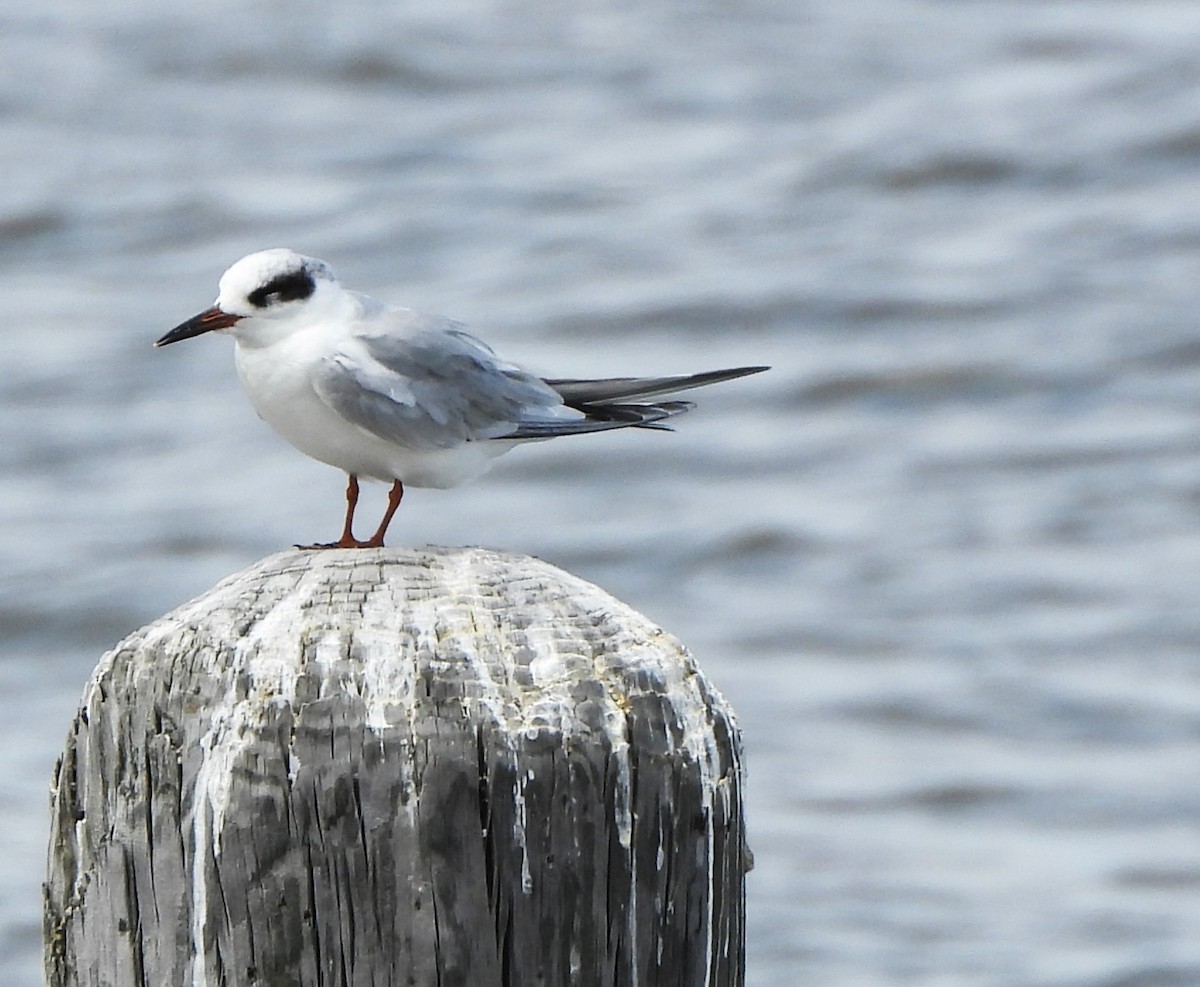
277, 381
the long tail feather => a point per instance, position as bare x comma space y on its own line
603, 417
605, 406
578, 393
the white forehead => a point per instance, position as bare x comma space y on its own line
258, 269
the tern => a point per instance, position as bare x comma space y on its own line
396, 395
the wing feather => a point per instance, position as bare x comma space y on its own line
433, 389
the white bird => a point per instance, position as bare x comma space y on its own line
394, 395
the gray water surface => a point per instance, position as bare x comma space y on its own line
944, 559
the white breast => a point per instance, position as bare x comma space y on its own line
277, 379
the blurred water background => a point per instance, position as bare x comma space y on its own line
944, 559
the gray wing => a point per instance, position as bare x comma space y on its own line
432, 386
424, 383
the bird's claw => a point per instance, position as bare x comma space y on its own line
336, 544
343, 542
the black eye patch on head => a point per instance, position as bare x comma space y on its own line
287, 287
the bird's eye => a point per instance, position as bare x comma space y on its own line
287, 287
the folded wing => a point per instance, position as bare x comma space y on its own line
432, 386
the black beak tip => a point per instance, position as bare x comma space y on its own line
174, 336
206, 321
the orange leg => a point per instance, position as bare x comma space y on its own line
395, 495
347, 540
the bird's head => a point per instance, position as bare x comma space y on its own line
264, 296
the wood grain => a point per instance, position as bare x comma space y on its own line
398, 767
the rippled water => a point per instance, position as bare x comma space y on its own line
944, 559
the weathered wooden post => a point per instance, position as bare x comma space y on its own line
401, 767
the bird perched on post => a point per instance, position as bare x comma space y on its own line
395, 395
